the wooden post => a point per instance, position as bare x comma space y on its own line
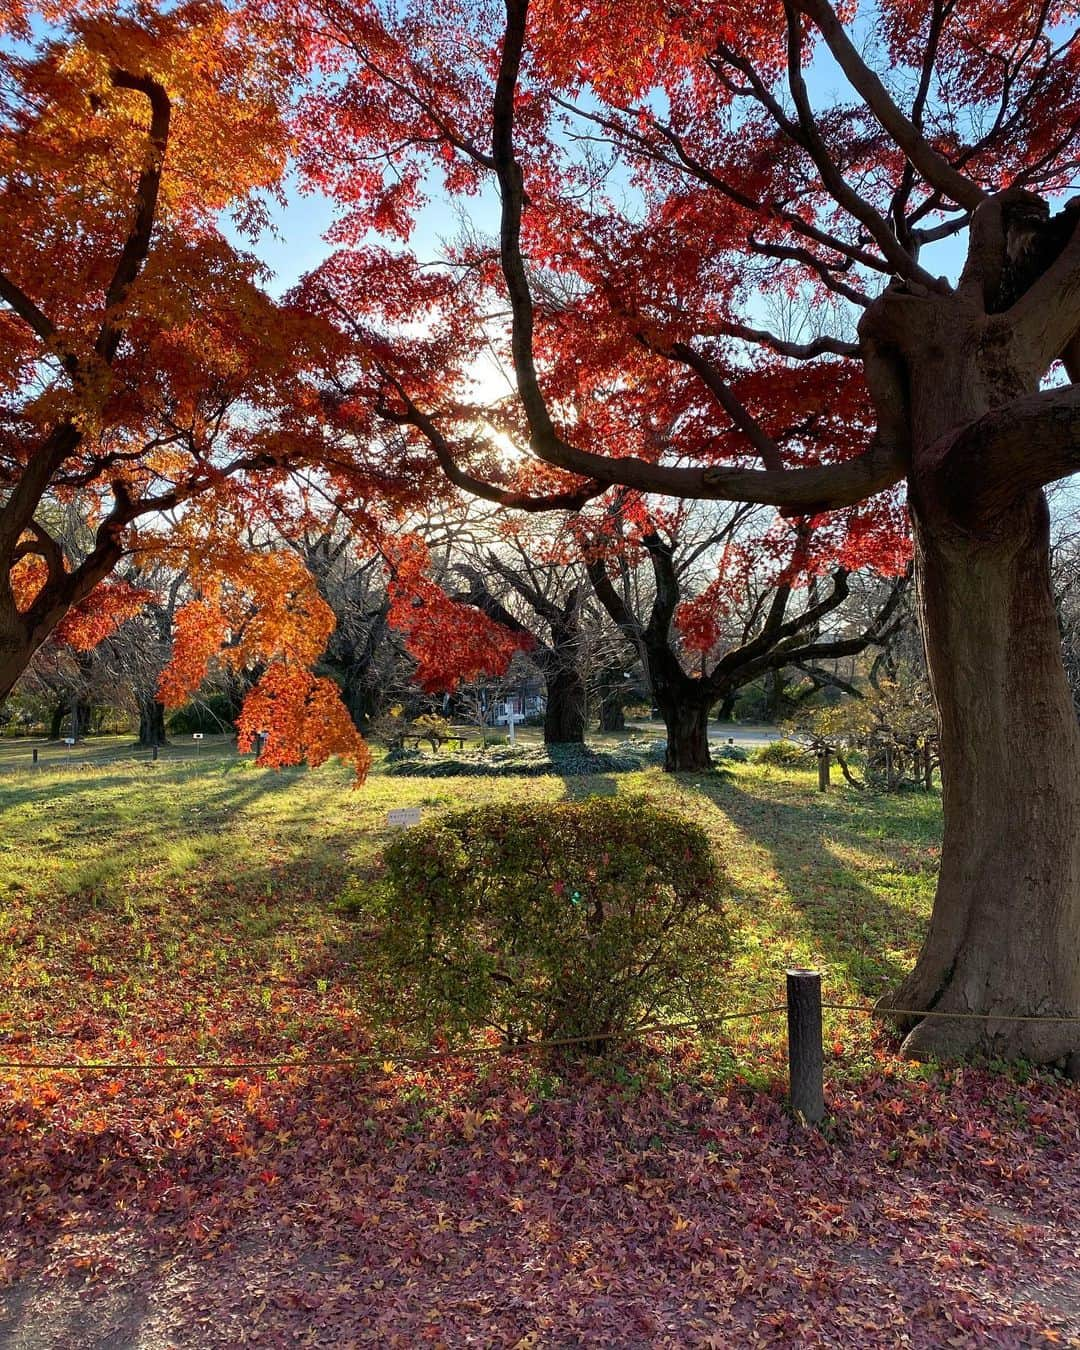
35, 754
823, 771
153, 755
804, 1045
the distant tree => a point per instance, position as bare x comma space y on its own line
542, 603
697, 648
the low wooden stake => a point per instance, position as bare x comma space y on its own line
823, 771
804, 1045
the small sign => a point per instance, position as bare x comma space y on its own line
402, 817
69, 740
196, 735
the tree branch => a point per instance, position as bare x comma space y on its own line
751, 428
1029, 443
137, 245
935, 169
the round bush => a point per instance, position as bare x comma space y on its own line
576, 920
783, 755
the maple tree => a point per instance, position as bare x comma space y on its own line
669, 181
149, 376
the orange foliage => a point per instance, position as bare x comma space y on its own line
303, 718
262, 608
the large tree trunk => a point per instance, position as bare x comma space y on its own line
152, 723
687, 726
612, 690
951, 375
566, 708
1004, 940
726, 711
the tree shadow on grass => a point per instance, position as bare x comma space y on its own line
106, 851
854, 925
579, 786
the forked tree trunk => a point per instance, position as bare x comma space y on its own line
1004, 939
687, 736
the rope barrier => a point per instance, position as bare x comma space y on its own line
487, 1051
372, 1060
933, 1012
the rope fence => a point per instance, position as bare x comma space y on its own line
804, 1008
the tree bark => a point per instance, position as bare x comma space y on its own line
687, 724
775, 693
955, 379
14, 653
56, 720
1004, 940
726, 711
566, 708
152, 723
611, 687
612, 713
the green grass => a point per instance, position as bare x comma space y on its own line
191, 906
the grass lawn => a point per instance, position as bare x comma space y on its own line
188, 911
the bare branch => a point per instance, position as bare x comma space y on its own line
935, 169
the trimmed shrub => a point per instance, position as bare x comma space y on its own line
513, 761
580, 919
732, 752
783, 755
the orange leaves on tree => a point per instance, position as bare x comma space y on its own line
199, 631
263, 609
450, 642
98, 616
303, 718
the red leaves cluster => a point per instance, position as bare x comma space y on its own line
450, 641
